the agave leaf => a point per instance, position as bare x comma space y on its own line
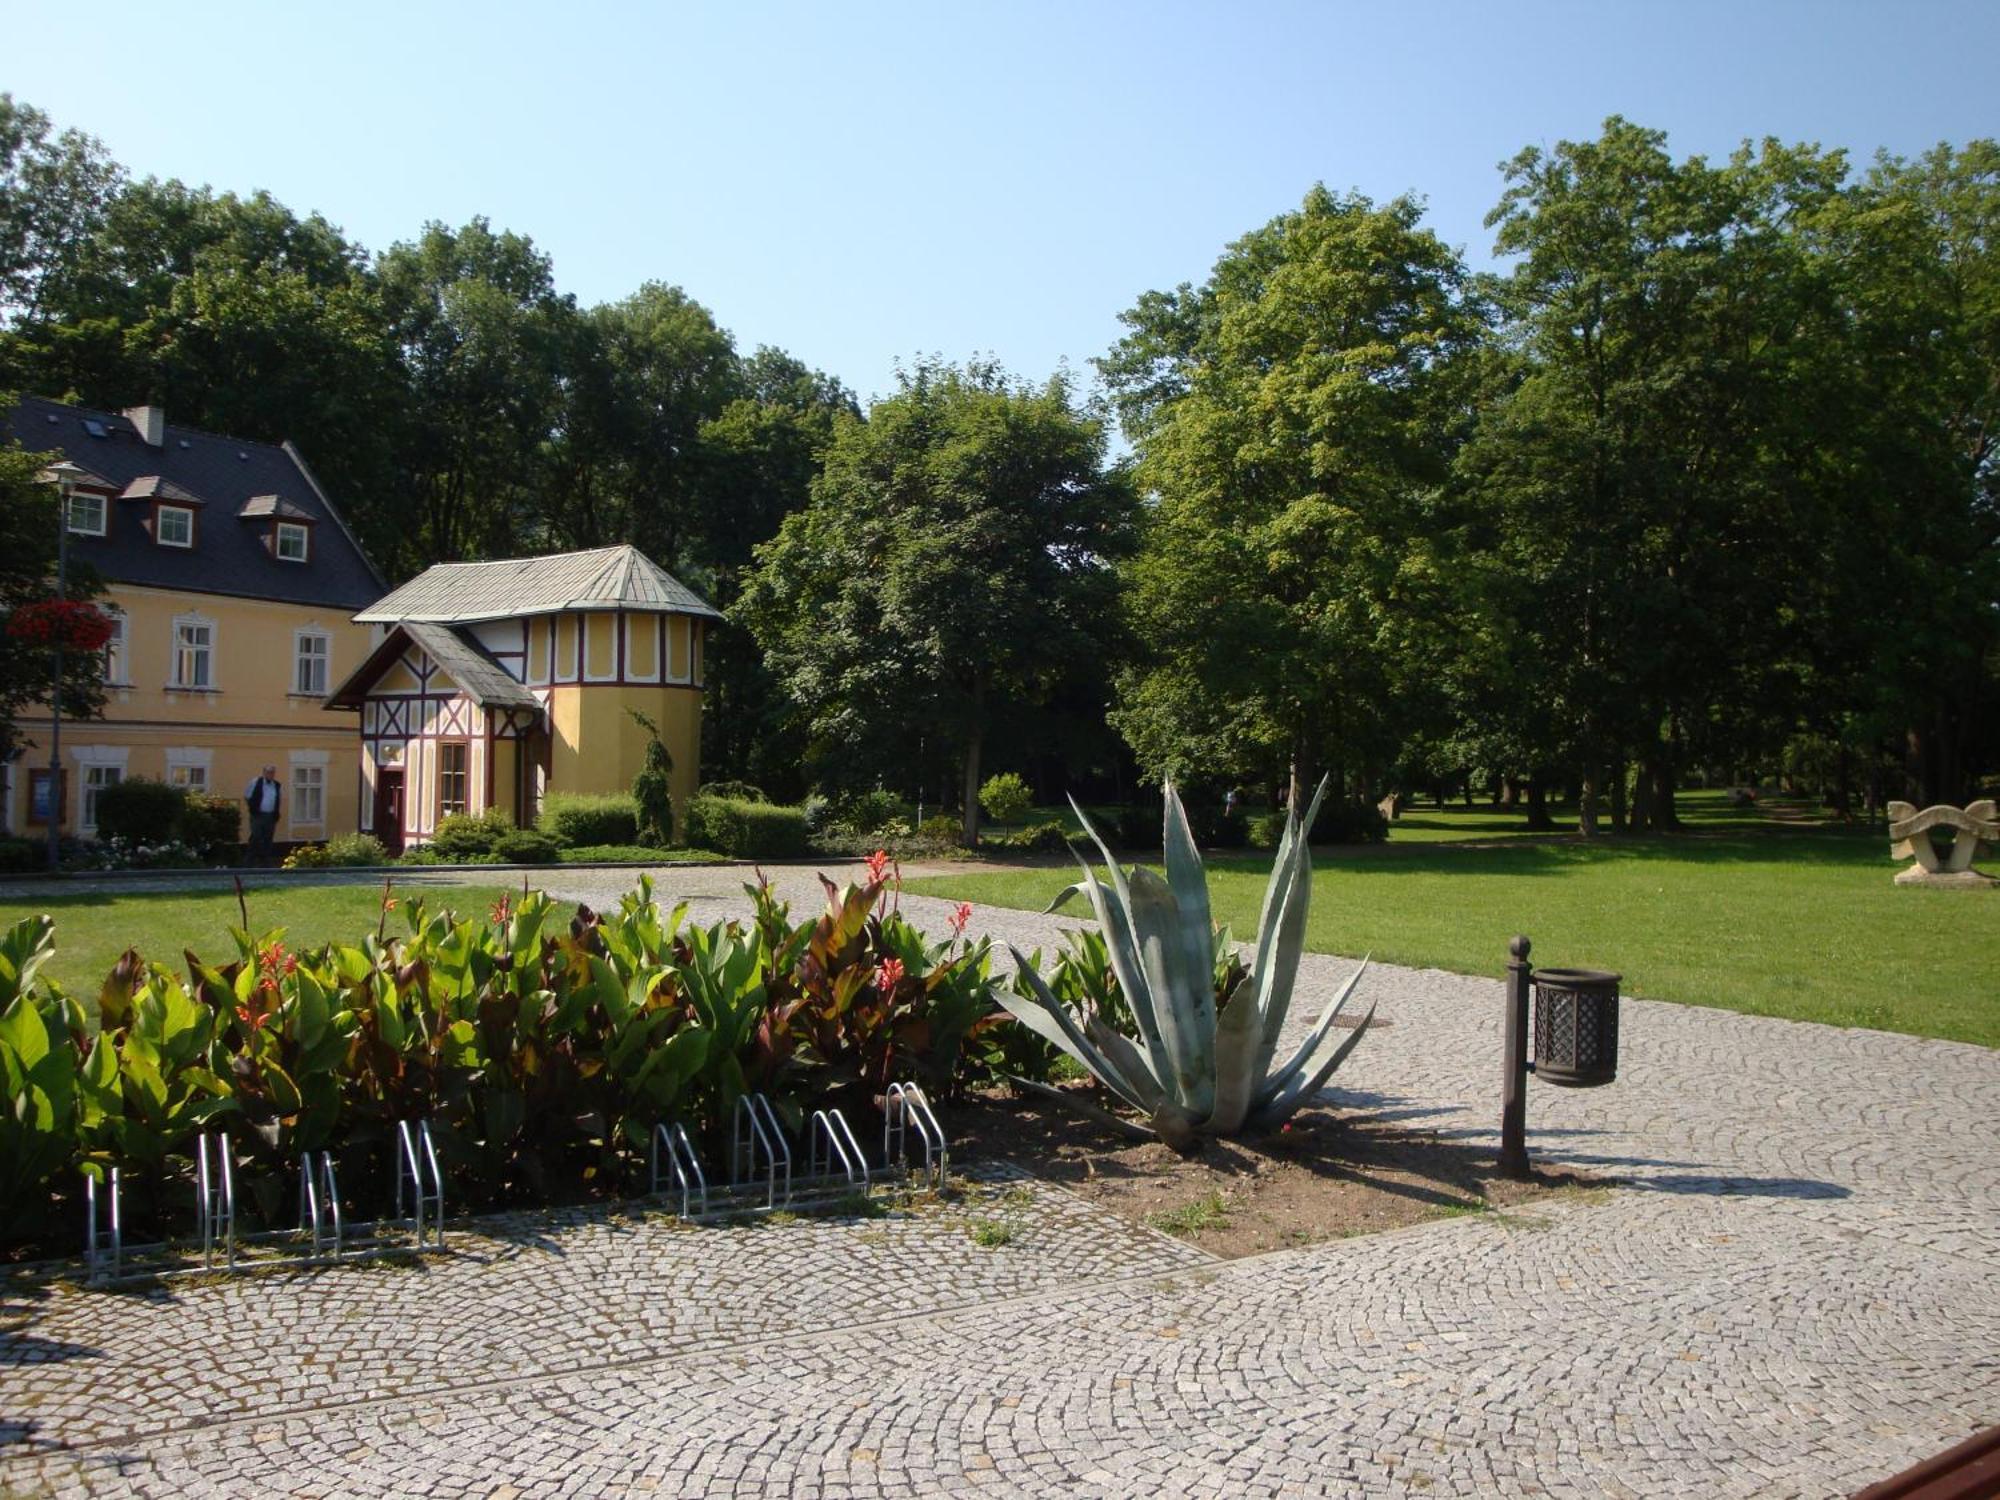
1304, 1086
1112, 906
1279, 944
1050, 1019
1130, 1061
1236, 1036
1310, 1045
1163, 953
1189, 883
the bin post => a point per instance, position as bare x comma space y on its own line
1514, 1064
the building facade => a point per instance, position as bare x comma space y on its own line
232, 582
498, 682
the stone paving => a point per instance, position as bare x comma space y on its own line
1794, 1293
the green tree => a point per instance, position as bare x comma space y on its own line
956, 550
652, 788
1295, 417
28, 507
55, 189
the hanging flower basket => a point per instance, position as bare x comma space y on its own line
69, 623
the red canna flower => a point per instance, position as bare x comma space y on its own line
890, 975
502, 910
960, 918
878, 863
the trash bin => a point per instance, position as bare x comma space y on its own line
1576, 1027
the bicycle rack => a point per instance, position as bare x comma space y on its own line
762, 1136
829, 1139
679, 1151
215, 1200
103, 1249
904, 1106
319, 1203
416, 1157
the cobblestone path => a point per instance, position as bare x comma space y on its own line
1796, 1290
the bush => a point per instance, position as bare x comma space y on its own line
1138, 828
572, 818
309, 857
742, 791
526, 846
1006, 798
1213, 828
615, 854
871, 810
468, 837
1339, 823
140, 811
21, 856
747, 830
1041, 838
1265, 829
357, 849
652, 788
421, 855
211, 824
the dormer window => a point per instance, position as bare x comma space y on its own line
173, 526
294, 542
86, 515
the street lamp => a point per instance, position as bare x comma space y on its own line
65, 474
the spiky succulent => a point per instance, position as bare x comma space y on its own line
1191, 1069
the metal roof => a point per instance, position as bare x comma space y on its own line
468, 664
620, 577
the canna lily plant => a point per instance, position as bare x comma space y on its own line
1194, 1067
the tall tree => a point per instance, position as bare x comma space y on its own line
955, 552
1294, 418
28, 508
54, 191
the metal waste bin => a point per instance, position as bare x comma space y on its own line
1576, 1027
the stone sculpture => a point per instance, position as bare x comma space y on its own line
1972, 828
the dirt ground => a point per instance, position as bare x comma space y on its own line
1326, 1175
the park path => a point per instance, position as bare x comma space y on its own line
1797, 1290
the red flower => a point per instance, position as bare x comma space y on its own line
502, 910
960, 918
70, 623
878, 863
890, 975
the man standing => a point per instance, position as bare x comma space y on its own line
262, 797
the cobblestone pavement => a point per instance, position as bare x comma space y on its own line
1794, 1292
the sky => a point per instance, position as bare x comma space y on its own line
862, 184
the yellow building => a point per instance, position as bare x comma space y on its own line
232, 580
498, 682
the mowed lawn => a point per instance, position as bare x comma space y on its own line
94, 930
1804, 923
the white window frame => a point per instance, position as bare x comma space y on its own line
323, 657
160, 515
302, 532
190, 766
117, 649
98, 766
103, 513
309, 774
176, 681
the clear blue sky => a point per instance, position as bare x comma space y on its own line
862, 182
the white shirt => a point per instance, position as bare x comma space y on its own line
262, 795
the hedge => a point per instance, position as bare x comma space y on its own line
747, 830
573, 818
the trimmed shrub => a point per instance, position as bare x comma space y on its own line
741, 791
1039, 838
526, 846
140, 811
572, 818
423, 854
747, 830
466, 837
21, 856
1006, 798
941, 830
211, 824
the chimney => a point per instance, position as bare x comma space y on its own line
151, 422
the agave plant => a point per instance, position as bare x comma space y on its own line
1194, 1068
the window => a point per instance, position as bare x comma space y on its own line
116, 667
194, 654
188, 777
173, 526
293, 540
309, 672
86, 515
309, 794
95, 780
452, 757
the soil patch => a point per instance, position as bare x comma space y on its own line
1328, 1175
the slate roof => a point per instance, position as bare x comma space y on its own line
620, 577
229, 556
470, 665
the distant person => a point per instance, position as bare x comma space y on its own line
263, 797
1229, 803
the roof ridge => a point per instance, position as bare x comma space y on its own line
119, 416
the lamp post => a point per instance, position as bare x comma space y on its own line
64, 474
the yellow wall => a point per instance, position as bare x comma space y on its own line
249, 717
597, 747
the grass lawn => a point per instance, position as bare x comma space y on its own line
1801, 922
93, 930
